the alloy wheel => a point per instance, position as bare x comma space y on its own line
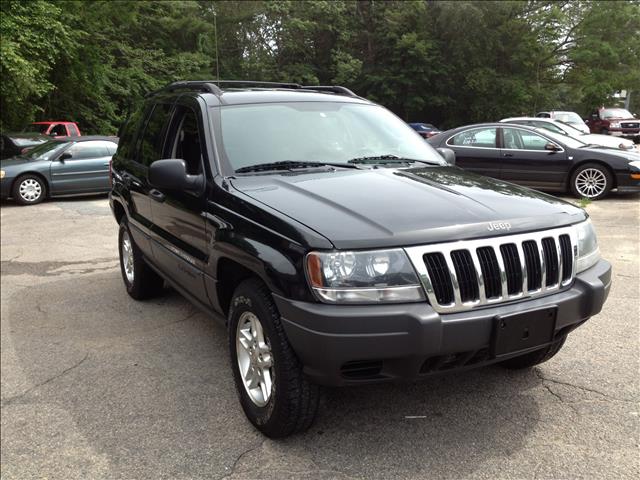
591, 182
127, 256
255, 360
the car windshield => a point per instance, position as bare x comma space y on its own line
615, 113
23, 142
567, 117
36, 128
317, 132
562, 139
45, 151
571, 129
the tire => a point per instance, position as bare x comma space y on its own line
29, 189
291, 403
537, 357
604, 131
592, 181
139, 279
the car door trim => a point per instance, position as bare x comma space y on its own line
79, 173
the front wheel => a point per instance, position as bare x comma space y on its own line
532, 359
29, 190
275, 395
592, 181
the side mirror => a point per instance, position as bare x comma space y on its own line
171, 174
551, 147
448, 154
64, 156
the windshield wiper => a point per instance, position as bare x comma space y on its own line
387, 159
289, 165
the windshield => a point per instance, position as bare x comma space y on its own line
571, 130
567, 117
23, 142
562, 139
615, 113
317, 132
33, 128
45, 151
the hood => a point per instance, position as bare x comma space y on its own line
605, 140
15, 161
399, 207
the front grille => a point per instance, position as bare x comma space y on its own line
462, 275
630, 125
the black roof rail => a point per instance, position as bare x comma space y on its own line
330, 88
213, 86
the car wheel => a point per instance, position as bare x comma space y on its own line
592, 181
604, 131
275, 395
140, 280
532, 359
29, 190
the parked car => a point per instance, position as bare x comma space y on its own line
16, 143
426, 130
572, 118
74, 165
539, 158
58, 129
566, 129
614, 121
338, 247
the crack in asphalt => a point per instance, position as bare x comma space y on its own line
579, 387
239, 457
13, 399
46, 269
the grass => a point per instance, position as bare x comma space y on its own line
584, 202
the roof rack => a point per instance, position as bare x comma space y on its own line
213, 86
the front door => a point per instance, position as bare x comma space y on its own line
180, 238
526, 161
477, 151
82, 168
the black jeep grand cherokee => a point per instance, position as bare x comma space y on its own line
339, 247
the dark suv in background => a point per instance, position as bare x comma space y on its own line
337, 246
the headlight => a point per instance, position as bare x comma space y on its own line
376, 276
2, 173
615, 124
588, 251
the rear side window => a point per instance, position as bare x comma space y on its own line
481, 137
72, 129
152, 140
128, 132
84, 150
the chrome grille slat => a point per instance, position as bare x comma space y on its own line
469, 261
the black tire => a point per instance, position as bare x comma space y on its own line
294, 400
36, 194
537, 357
604, 131
145, 283
603, 171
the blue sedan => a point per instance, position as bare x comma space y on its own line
69, 166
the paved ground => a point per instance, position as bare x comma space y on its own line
95, 385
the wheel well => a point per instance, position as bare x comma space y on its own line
230, 274
35, 174
118, 211
597, 162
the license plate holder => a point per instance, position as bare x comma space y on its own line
523, 331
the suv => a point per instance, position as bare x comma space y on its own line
615, 121
337, 246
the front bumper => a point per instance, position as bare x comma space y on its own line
625, 183
341, 345
5, 187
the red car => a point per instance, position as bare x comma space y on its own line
53, 128
614, 121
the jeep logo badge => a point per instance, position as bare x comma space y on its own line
499, 226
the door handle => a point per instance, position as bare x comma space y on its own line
507, 154
157, 195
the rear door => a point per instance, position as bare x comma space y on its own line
180, 238
526, 161
477, 150
86, 170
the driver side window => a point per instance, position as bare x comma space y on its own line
184, 140
515, 139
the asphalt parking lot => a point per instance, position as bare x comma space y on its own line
96, 385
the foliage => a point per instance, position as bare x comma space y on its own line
443, 62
